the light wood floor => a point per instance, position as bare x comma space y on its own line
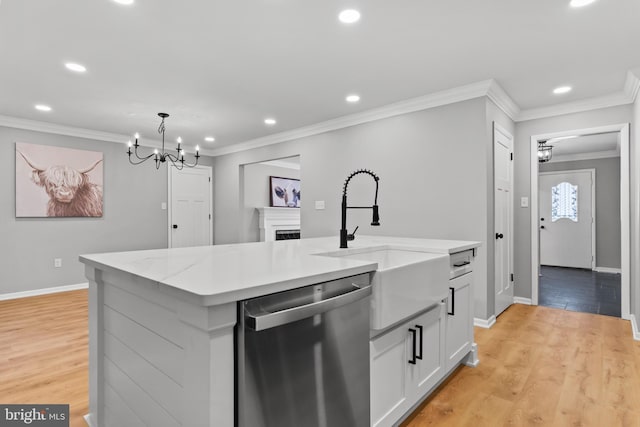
538, 366
44, 352
541, 366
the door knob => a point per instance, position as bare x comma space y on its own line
542, 226
541, 219
175, 225
499, 235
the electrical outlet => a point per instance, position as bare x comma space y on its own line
57, 262
319, 205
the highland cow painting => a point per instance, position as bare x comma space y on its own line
285, 192
58, 182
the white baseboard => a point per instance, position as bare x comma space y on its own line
471, 359
521, 300
45, 291
608, 270
89, 420
482, 323
634, 327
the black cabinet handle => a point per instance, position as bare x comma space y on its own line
462, 264
542, 226
413, 357
453, 302
419, 356
499, 235
175, 225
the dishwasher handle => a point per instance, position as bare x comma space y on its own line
290, 315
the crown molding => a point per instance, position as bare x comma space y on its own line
632, 86
489, 88
595, 103
626, 96
450, 96
37, 126
46, 127
503, 100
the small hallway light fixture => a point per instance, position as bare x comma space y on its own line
544, 151
176, 160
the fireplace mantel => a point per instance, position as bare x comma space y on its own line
274, 219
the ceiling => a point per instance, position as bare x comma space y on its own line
586, 147
219, 68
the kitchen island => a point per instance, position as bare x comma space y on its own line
161, 322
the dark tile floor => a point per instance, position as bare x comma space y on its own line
576, 289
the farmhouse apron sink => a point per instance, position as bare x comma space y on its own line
406, 281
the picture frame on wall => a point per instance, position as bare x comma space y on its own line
284, 192
56, 181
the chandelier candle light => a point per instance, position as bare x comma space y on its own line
163, 156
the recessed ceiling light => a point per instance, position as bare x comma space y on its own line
270, 122
353, 98
127, 2
349, 16
42, 107
580, 3
209, 139
78, 68
562, 89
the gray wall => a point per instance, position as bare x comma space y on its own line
522, 219
607, 205
434, 179
256, 195
133, 218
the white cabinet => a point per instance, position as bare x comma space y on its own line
406, 363
459, 320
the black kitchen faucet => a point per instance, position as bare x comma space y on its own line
344, 236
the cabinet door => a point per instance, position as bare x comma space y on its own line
430, 363
459, 320
389, 386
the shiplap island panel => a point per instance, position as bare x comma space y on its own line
161, 322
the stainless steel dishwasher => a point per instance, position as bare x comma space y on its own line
303, 357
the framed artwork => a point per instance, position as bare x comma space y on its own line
284, 192
58, 182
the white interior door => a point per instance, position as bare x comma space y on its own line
503, 176
567, 224
190, 211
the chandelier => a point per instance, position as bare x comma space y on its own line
160, 157
544, 152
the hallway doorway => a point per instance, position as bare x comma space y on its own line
603, 286
578, 289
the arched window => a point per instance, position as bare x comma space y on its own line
564, 202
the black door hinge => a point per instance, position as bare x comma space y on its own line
512, 277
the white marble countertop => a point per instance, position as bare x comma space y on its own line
224, 273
